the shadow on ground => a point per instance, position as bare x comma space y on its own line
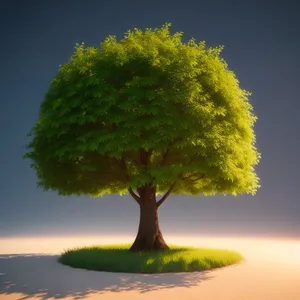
44, 277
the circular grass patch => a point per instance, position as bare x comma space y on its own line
117, 258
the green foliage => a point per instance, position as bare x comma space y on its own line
147, 95
117, 258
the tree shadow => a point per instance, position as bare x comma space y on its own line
42, 275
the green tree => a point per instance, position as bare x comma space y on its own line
147, 115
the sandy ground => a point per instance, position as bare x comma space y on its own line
270, 271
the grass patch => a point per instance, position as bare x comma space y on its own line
117, 258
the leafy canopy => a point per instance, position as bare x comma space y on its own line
145, 109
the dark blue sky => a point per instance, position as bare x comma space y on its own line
262, 47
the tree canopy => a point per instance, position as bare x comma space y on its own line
148, 108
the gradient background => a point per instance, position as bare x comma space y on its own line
262, 47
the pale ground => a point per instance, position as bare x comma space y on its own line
271, 271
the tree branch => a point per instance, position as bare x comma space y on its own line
131, 192
135, 161
134, 195
192, 180
145, 157
162, 200
124, 167
168, 150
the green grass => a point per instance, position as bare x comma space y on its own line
117, 258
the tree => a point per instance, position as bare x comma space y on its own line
147, 115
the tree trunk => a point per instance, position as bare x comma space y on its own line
149, 236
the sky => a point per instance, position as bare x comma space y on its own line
262, 47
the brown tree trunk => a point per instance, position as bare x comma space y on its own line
149, 236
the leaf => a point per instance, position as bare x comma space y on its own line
151, 91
